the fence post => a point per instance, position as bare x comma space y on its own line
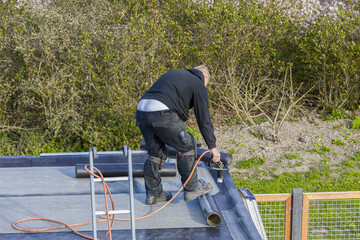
296, 216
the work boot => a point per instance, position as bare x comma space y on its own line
162, 197
203, 188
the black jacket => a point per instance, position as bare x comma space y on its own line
181, 90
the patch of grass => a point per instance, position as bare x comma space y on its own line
262, 172
233, 120
241, 145
259, 120
320, 179
258, 135
336, 114
356, 157
294, 165
337, 142
298, 164
254, 121
311, 181
320, 149
356, 123
348, 163
232, 151
251, 163
278, 160
338, 127
346, 134
292, 156
352, 161
324, 158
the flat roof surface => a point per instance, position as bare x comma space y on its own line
54, 192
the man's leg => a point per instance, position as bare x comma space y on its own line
153, 185
176, 135
172, 131
186, 162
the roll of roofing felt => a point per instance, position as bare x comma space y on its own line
121, 169
208, 206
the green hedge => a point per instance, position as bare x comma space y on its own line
71, 73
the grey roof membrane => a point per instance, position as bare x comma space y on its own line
55, 193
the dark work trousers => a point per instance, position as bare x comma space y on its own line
160, 128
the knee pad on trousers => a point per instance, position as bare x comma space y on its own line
159, 161
188, 153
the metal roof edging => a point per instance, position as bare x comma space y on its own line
234, 212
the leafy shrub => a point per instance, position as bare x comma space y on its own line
194, 132
328, 58
72, 73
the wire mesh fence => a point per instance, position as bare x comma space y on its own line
334, 219
325, 215
273, 216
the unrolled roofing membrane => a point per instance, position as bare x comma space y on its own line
46, 186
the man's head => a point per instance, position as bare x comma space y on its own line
205, 72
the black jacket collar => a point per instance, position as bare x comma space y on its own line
197, 73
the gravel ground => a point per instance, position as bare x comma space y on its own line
297, 138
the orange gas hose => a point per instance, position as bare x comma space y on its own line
107, 218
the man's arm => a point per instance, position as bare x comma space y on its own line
203, 119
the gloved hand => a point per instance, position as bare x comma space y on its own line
216, 154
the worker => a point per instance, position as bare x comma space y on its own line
161, 116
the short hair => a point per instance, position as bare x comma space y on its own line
204, 70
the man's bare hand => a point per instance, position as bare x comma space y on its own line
216, 154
